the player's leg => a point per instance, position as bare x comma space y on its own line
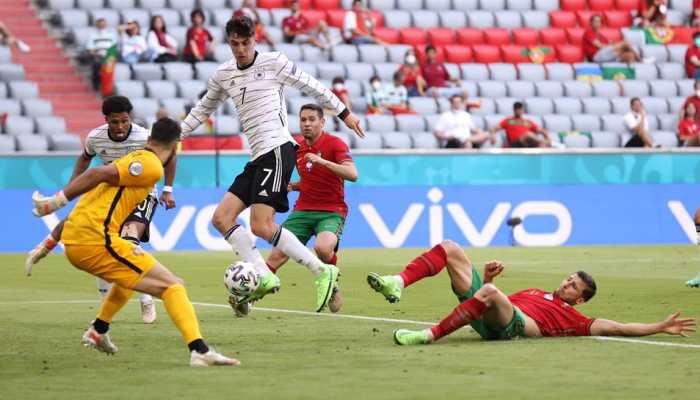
302, 226
427, 264
276, 260
328, 229
44, 247
695, 282
97, 335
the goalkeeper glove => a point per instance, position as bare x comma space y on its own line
43, 205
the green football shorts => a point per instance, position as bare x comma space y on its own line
514, 329
304, 224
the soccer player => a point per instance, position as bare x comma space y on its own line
111, 141
529, 313
255, 81
323, 163
695, 282
93, 243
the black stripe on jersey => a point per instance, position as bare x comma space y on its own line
108, 241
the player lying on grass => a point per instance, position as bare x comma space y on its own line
93, 244
695, 282
323, 163
529, 313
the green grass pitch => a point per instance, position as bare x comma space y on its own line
293, 356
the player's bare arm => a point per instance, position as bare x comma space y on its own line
672, 325
345, 170
167, 198
491, 270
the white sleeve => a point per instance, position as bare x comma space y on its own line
89, 150
630, 121
440, 125
288, 74
349, 22
205, 106
171, 41
154, 44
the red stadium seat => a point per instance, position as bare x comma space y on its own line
562, 19
441, 36
439, 54
569, 54
378, 18
485, 54
514, 54
458, 54
584, 18
575, 36
314, 16
388, 35
470, 36
525, 36
496, 36
627, 5
553, 36
303, 4
613, 34
335, 18
601, 5
683, 35
572, 5
413, 36
617, 19
322, 5
272, 4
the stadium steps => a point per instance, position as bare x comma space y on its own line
71, 97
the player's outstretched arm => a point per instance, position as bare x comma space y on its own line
81, 164
207, 104
44, 205
673, 325
345, 170
167, 198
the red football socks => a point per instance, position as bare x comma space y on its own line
463, 314
334, 259
427, 264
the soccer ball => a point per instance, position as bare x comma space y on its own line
241, 279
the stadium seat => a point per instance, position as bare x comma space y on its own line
451, 19
671, 71
613, 123
525, 36
549, 89
633, 88
664, 138
487, 107
475, 72
508, 19
410, 123
645, 72
372, 53
546, 5
586, 123
413, 36
503, 72
481, 19
520, 89
605, 139
612, 34
577, 89
326, 4
575, 35
584, 18
514, 54
7, 144
441, 36
359, 71
19, 125
130, 88
617, 19
470, 36
458, 54
685, 87
655, 105
562, 19
397, 52
227, 125
659, 52
182, 4
382, 4
569, 54
568, 106
11, 72
23, 89
32, 143
175, 106
136, 14
294, 52
73, 18
397, 19
532, 72
330, 70
372, 140
178, 71
423, 105
355, 86
665, 89
606, 89
677, 52
620, 105
557, 123
151, 4
60, 4
37, 107
496, 36
596, 105
161, 89
539, 106
424, 140
552, 36
3, 90
668, 122
486, 54
465, 5
577, 141
147, 72
144, 108
109, 15
10, 106
425, 19
520, 5
385, 71
396, 140
388, 35
492, 89
572, 5
345, 53
64, 142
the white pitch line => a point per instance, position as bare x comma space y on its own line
365, 318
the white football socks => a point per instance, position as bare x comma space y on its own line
243, 246
292, 247
399, 281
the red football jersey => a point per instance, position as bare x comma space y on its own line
321, 189
553, 315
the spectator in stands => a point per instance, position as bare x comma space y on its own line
688, 128
692, 58
162, 47
198, 46
97, 45
358, 25
649, 10
695, 99
396, 96
413, 76
456, 129
598, 48
248, 9
437, 77
338, 88
637, 125
8, 39
375, 97
296, 29
522, 132
133, 44
695, 14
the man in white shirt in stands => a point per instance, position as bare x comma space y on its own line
637, 125
456, 129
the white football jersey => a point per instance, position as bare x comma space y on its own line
257, 93
99, 143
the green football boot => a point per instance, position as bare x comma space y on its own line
695, 282
404, 337
269, 283
326, 282
386, 285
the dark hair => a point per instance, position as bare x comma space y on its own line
398, 75
697, 81
165, 131
696, 35
197, 11
153, 23
338, 79
591, 287
594, 16
455, 96
356, 1
429, 48
116, 104
633, 99
314, 107
241, 26
374, 78
685, 109
518, 105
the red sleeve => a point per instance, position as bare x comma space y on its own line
696, 4
209, 36
304, 22
285, 22
190, 34
444, 71
504, 124
533, 126
589, 36
341, 153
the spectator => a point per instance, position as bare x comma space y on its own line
8, 39
598, 48
637, 125
455, 128
688, 128
198, 46
375, 97
692, 57
413, 76
695, 99
341, 91
133, 45
396, 96
296, 29
358, 25
97, 45
248, 9
695, 14
522, 132
649, 10
436, 76
162, 47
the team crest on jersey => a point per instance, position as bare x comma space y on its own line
259, 74
135, 168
